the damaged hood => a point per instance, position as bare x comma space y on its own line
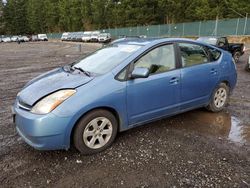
50, 82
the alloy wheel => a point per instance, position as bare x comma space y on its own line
220, 97
97, 133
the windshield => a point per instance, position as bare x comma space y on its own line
86, 35
208, 40
42, 35
105, 59
103, 35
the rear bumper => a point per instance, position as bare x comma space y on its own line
43, 132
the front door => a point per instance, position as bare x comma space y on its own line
159, 94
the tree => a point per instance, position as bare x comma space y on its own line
1, 19
41, 16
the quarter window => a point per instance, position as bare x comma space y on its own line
158, 60
215, 54
192, 54
122, 75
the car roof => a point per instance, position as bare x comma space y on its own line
212, 37
146, 41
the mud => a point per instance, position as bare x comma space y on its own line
193, 149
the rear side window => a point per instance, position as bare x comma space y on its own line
192, 54
214, 54
222, 42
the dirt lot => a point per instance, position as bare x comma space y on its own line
194, 149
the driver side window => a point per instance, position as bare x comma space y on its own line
158, 60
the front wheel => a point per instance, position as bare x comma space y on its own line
219, 98
95, 132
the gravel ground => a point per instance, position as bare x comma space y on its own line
193, 149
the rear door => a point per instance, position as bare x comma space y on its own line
199, 75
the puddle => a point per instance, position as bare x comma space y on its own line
217, 124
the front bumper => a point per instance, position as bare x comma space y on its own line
104, 40
43, 132
94, 39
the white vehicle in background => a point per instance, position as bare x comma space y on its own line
104, 37
6, 39
65, 36
94, 36
42, 37
14, 38
23, 39
86, 36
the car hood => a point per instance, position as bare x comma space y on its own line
50, 82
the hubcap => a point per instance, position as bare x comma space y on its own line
220, 97
97, 133
237, 56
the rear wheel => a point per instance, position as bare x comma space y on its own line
247, 67
219, 98
95, 132
236, 56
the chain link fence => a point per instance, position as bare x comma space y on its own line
237, 26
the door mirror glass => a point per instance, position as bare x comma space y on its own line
140, 72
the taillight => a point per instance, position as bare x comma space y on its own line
244, 49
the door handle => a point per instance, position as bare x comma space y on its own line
213, 71
174, 80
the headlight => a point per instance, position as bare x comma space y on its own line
50, 102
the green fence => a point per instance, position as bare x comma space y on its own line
54, 35
237, 26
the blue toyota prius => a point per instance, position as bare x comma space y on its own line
118, 87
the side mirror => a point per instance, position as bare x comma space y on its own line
140, 72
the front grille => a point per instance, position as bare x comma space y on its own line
23, 105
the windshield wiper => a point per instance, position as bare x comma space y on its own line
83, 71
68, 68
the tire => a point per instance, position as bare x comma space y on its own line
236, 56
247, 67
219, 98
95, 132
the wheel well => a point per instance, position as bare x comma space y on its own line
113, 111
227, 83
